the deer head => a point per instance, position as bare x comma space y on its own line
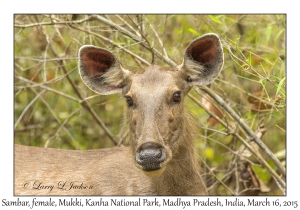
154, 96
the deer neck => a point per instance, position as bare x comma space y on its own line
182, 175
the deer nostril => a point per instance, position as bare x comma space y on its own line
150, 156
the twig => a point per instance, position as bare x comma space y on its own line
28, 106
140, 23
123, 137
54, 23
159, 40
222, 179
236, 179
219, 180
56, 118
63, 126
47, 88
128, 25
28, 127
143, 36
45, 55
39, 60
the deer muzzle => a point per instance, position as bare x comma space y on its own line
149, 157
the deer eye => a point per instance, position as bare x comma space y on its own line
129, 100
177, 97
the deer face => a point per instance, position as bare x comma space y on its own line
155, 107
154, 96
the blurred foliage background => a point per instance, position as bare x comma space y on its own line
53, 108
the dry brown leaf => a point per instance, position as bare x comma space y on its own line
50, 75
34, 77
261, 131
255, 60
245, 153
206, 101
257, 104
37, 39
253, 176
263, 187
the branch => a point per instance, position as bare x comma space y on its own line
245, 127
57, 119
127, 24
142, 34
244, 142
53, 23
46, 88
28, 106
62, 126
158, 38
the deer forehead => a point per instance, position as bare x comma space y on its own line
154, 83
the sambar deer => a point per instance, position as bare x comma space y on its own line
161, 158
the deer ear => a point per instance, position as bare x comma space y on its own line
101, 71
203, 60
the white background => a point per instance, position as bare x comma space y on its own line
8, 8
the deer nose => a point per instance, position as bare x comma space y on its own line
150, 155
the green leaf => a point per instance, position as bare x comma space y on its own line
280, 85
120, 43
193, 31
215, 19
262, 173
